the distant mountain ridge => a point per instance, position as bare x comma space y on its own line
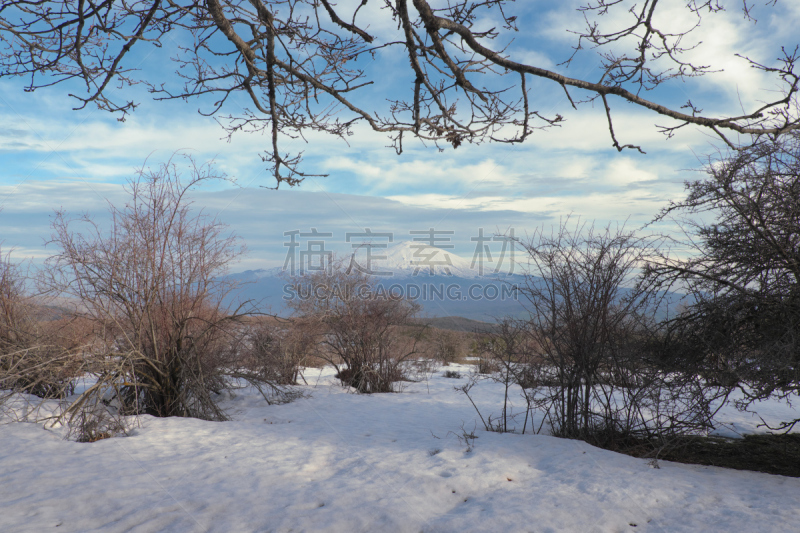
456, 287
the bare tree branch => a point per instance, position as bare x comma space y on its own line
297, 63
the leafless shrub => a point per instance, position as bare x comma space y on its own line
484, 364
739, 326
420, 369
96, 423
592, 375
448, 346
466, 438
278, 350
150, 287
507, 353
359, 329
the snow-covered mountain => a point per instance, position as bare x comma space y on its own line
414, 259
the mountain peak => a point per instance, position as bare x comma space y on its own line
414, 258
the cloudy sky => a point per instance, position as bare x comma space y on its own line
52, 157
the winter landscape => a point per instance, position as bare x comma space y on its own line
399, 266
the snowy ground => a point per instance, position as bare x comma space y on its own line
342, 462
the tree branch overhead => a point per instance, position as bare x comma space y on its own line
306, 66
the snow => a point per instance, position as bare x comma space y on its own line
733, 423
340, 462
408, 258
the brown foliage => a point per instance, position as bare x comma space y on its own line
36, 357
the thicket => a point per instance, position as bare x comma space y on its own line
740, 268
38, 355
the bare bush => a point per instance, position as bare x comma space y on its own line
448, 346
739, 327
278, 350
358, 327
506, 354
592, 375
96, 423
484, 362
150, 287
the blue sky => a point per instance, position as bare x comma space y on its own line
52, 157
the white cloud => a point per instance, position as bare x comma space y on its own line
594, 206
444, 201
358, 167
529, 56
431, 173
78, 195
624, 172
